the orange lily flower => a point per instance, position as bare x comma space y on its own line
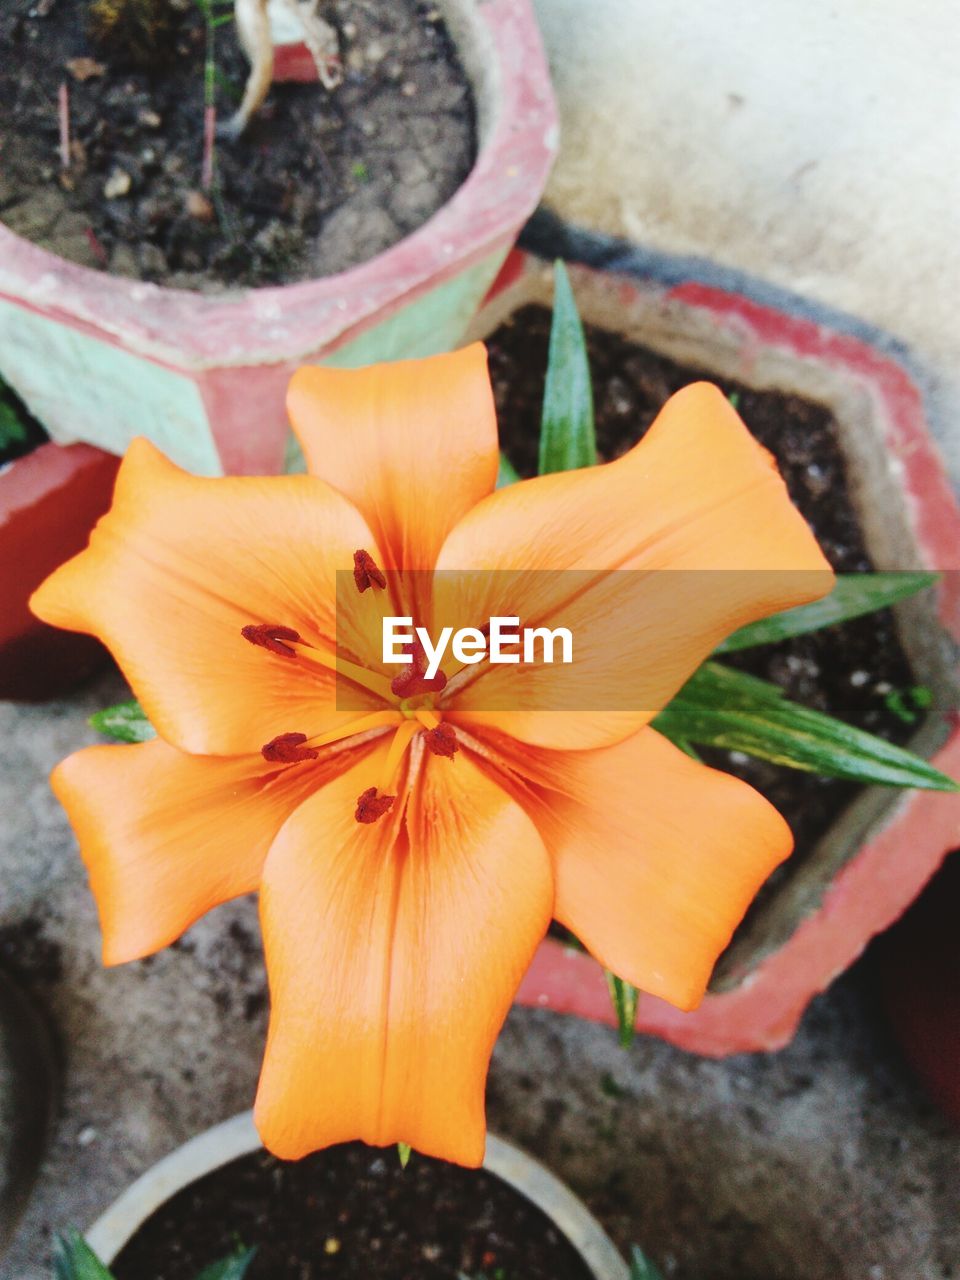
410, 854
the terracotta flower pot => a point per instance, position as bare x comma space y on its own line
917, 963
102, 359
882, 850
237, 1137
49, 501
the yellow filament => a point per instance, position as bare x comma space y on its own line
429, 719
376, 720
359, 675
401, 740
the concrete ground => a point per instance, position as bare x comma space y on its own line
802, 144
822, 1162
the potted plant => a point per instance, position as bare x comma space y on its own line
875, 848
560, 760
50, 497
352, 1207
204, 373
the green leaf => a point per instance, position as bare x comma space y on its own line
73, 1259
624, 997
125, 722
641, 1268
853, 595
909, 704
233, 1268
567, 438
223, 81
12, 428
507, 472
718, 707
404, 1151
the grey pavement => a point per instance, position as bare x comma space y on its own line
822, 1162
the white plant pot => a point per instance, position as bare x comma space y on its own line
238, 1137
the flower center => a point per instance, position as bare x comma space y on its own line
411, 713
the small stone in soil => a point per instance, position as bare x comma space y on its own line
199, 207
117, 185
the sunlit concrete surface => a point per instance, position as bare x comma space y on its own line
811, 144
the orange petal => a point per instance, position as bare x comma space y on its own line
167, 836
412, 444
695, 496
656, 857
180, 564
393, 952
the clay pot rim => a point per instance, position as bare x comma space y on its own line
506, 66
238, 1137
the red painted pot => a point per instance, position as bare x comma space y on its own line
885, 848
49, 502
102, 359
918, 964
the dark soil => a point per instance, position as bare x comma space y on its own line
320, 181
351, 1212
849, 671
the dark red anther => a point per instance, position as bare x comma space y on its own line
288, 748
442, 740
412, 679
366, 572
371, 805
270, 635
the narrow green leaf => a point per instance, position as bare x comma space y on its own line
233, 1268
853, 595
404, 1152
567, 438
12, 429
719, 707
507, 472
908, 705
125, 722
641, 1268
624, 997
73, 1259
223, 81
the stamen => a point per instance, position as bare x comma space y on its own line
366, 572
272, 636
442, 740
376, 720
375, 802
371, 805
427, 717
349, 670
401, 740
288, 748
413, 680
